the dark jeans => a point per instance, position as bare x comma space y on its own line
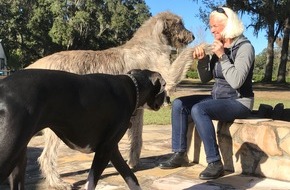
203, 109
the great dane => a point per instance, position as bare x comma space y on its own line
90, 113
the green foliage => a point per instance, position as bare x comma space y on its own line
160, 117
33, 29
260, 63
192, 74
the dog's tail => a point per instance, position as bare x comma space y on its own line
48, 161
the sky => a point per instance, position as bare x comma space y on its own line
187, 9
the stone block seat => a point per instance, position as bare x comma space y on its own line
258, 145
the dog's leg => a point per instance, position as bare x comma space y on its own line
121, 166
135, 138
17, 176
100, 162
48, 161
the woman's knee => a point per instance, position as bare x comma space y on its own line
196, 110
178, 107
177, 104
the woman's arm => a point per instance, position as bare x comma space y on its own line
236, 73
203, 69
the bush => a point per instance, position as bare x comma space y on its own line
257, 78
192, 74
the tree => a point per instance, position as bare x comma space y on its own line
33, 29
260, 60
281, 77
210, 5
18, 35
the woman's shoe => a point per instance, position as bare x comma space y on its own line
212, 171
178, 159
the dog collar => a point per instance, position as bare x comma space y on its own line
137, 90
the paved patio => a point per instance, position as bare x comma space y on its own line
74, 167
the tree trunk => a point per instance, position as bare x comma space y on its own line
270, 54
281, 77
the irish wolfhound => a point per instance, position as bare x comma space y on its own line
149, 48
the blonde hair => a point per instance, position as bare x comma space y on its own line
234, 26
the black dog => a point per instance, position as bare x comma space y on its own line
90, 113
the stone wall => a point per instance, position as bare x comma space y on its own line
249, 146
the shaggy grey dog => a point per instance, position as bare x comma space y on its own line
149, 48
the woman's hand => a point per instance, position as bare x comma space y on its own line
198, 52
218, 48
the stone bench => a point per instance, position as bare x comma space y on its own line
255, 146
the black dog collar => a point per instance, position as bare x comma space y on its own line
137, 91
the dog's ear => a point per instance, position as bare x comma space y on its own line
133, 71
158, 28
157, 79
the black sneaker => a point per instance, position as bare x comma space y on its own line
212, 171
178, 159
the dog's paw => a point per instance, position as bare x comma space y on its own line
132, 163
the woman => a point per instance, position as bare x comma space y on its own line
231, 66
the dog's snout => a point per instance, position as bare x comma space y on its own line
192, 37
188, 36
156, 107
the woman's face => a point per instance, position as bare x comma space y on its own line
217, 25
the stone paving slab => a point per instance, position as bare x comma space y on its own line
74, 167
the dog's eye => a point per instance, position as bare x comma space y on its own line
178, 27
